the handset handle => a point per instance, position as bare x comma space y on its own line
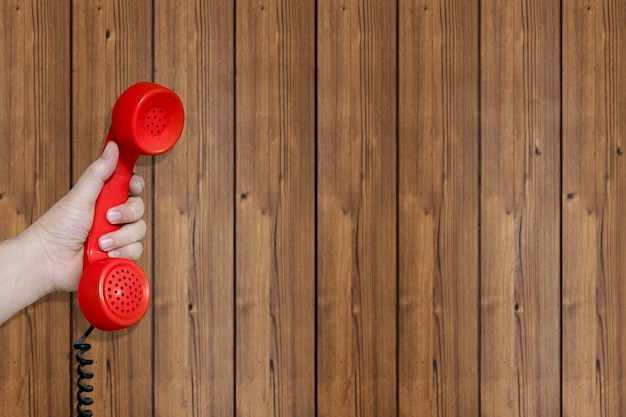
114, 192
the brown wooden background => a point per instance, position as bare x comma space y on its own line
378, 207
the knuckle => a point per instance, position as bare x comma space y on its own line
131, 210
133, 251
125, 235
133, 232
138, 250
135, 208
142, 228
137, 184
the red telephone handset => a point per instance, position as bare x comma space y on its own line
114, 293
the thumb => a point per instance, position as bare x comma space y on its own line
90, 184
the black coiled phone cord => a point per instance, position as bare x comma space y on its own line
82, 348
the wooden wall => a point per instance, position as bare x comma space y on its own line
377, 208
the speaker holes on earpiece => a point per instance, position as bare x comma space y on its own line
155, 122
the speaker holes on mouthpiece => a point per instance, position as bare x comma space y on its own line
123, 292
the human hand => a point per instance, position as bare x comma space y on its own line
62, 230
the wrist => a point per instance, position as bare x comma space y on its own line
33, 242
23, 276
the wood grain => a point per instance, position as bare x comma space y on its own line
377, 207
583, 200
194, 213
420, 167
111, 50
520, 179
611, 291
438, 211
593, 233
456, 286
34, 154
275, 209
357, 278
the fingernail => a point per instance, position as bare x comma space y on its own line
114, 254
108, 151
106, 243
114, 216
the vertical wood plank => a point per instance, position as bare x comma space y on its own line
356, 305
593, 181
34, 154
611, 291
438, 208
455, 289
111, 50
582, 205
275, 210
438, 352
194, 213
419, 198
520, 206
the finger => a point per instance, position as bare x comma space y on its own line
90, 184
132, 251
129, 212
126, 235
136, 184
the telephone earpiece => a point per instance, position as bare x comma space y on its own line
114, 293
